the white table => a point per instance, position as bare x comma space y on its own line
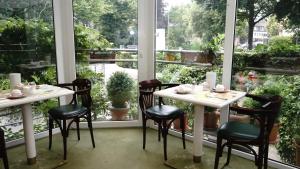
44, 93
200, 99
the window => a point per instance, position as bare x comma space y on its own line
26, 46
106, 42
270, 65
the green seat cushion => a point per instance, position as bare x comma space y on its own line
164, 111
67, 111
238, 130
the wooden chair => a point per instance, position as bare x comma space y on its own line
3, 153
162, 114
247, 135
80, 107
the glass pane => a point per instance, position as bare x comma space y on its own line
26, 46
189, 43
266, 61
106, 42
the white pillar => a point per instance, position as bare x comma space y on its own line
228, 52
64, 41
229, 42
146, 37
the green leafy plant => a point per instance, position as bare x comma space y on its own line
119, 89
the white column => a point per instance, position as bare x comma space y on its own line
64, 41
146, 38
229, 42
228, 52
29, 133
198, 133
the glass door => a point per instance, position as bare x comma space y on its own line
106, 43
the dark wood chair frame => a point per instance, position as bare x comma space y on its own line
146, 100
82, 89
3, 153
265, 117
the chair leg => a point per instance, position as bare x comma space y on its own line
228, 153
159, 130
77, 126
5, 159
64, 134
164, 134
90, 125
266, 154
144, 131
218, 151
50, 132
182, 125
260, 157
3, 151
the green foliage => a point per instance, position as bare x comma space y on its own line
98, 91
4, 83
89, 38
127, 55
119, 89
282, 45
290, 115
47, 76
215, 44
288, 10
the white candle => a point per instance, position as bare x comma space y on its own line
15, 79
211, 78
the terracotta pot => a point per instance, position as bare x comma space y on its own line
118, 114
273, 137
239, 118
297, 153
170, 57
176, 124
211, 120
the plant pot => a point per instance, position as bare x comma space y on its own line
297, 146
239, 118
211, 120
170, 57
176, 124
273, 137
118, 114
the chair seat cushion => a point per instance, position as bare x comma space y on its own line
164, 111
238, 130
67, 111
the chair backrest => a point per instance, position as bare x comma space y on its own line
274, 105
147, 88
82, 88
150, 85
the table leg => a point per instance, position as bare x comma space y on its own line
198, 133
29, 133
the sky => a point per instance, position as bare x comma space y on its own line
171, 3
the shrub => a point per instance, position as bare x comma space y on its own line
119, 89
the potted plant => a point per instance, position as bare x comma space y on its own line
211, 118
187, 108
119, 90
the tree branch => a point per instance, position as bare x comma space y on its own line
263, 17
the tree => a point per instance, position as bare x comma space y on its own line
253, 11
207, 23
288, 9
162, 20
179, 30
